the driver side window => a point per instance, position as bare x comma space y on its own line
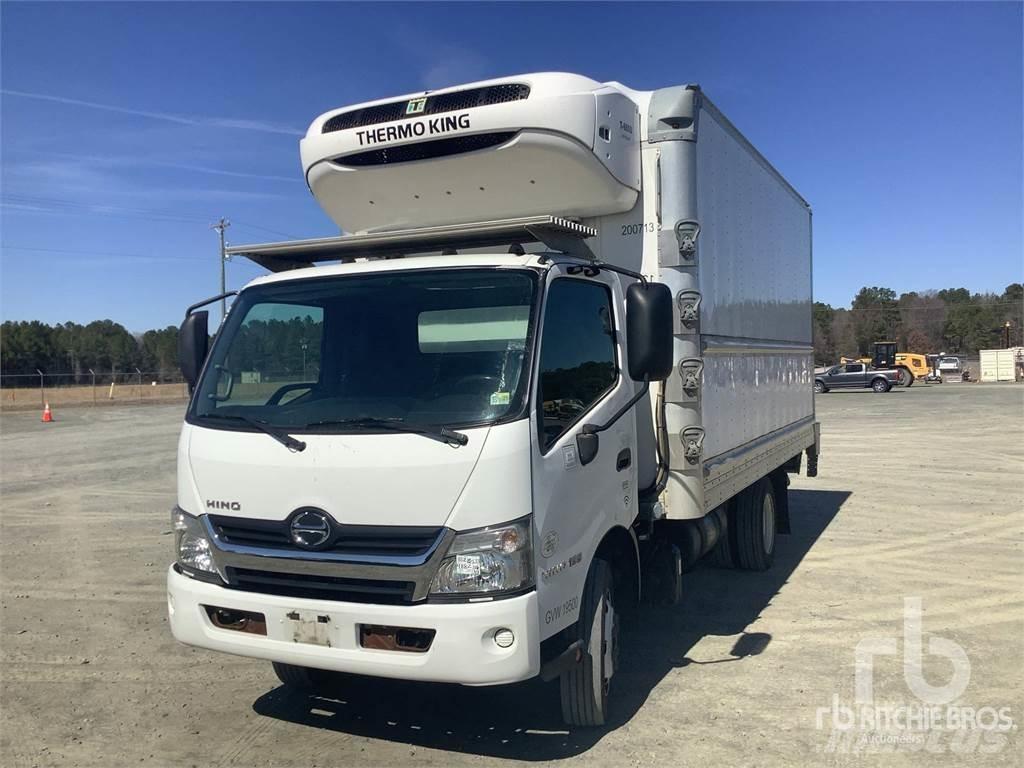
577, 355
276, 345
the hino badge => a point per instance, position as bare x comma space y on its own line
564, 353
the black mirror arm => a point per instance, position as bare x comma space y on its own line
210, 300
590, 267
593, 429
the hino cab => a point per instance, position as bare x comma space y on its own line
462, 440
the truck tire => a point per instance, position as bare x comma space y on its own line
820, 388
300, 678
881, 385
755, 527
720, 555
585, 686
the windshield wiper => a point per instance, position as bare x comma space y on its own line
397, 424
278, 434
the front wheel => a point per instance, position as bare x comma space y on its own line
820, 388
585, 687
881, 385
301, 678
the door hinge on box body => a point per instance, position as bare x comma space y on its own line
690, 370
688, 302
692, 439
677, 247
687, 232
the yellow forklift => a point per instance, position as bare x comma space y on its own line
910, 365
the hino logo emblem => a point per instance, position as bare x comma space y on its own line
234, 506
311, 529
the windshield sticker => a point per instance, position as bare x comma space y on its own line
500, 398
569, 456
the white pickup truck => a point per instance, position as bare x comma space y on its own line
564, 353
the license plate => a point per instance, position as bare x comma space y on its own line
310, 628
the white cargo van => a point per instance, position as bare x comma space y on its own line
565, 353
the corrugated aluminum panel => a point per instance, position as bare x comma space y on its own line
752, 269
748, 393
755, 243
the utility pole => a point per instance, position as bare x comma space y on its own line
220, 226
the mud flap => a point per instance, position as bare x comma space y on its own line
662, 565
780, 484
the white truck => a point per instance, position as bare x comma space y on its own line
564, 353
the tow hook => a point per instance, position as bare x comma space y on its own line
563, 662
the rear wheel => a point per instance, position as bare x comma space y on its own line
881, 385
585, 687
755, 527
906, 378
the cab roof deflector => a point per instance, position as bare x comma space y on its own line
556, 233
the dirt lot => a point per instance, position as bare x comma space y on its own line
30, 399
921, 495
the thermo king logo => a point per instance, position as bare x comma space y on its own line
416, 106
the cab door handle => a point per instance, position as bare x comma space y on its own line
624, 459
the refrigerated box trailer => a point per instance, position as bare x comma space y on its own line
563, 353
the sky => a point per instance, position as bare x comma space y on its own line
127, 129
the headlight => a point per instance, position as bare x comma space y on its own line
489, 560
191, 546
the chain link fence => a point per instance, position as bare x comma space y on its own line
27, 391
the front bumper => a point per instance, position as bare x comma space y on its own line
463, 649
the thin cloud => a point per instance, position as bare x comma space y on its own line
168, 117
297, 179
454, 66
128, 161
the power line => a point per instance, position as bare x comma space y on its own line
266, 229
57, 205
116, 254
70, 207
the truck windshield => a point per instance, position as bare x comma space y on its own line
371, 352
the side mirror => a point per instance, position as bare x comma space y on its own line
649, 331
193, 340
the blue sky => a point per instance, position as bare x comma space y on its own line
128, 128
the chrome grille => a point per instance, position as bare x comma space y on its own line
424, 150
364, 540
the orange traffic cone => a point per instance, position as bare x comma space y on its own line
47, 414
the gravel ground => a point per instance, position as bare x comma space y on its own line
920, 495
